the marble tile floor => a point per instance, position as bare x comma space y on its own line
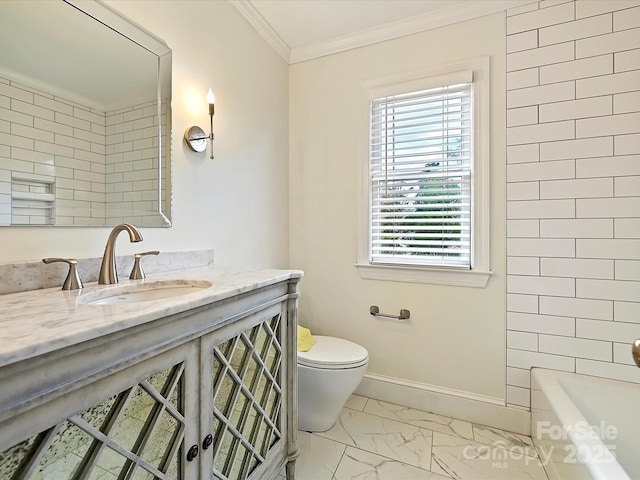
375, 440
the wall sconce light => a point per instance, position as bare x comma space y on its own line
194, 137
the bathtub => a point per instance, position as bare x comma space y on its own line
585, 427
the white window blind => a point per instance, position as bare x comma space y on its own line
420, 160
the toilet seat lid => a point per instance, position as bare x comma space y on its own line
331, 352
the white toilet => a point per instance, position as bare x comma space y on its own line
327, 375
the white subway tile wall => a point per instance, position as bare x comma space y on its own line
69, 164
573, 190
132, 164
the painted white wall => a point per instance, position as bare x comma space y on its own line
456, 336
236, 204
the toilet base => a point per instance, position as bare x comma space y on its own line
322, 395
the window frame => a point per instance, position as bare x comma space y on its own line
479, 273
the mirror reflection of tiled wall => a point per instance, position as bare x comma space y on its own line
132, 163
63, 163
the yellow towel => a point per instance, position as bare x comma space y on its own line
305, 339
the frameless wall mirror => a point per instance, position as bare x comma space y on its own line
85, 117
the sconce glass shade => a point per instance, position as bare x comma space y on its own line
211, 100
196, 139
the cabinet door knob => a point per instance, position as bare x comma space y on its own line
192, 453
206, 443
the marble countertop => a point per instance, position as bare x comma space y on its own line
36, 322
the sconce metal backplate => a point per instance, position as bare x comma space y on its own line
196, 139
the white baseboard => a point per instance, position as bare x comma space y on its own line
467, 406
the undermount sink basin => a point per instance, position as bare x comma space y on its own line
144, 292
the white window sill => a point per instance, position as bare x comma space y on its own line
437, 276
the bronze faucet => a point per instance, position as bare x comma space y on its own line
636, 352
108, 274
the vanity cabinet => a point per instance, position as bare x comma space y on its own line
205, 393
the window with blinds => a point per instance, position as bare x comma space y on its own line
420, 165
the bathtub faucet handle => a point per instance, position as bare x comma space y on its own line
635, 350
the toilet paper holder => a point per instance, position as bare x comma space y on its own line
375, 311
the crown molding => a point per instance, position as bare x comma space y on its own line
419, 23
249, 12
404, 27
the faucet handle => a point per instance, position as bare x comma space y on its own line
72, 282
136, 272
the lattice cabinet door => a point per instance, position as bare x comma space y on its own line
138, 431
242, 376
